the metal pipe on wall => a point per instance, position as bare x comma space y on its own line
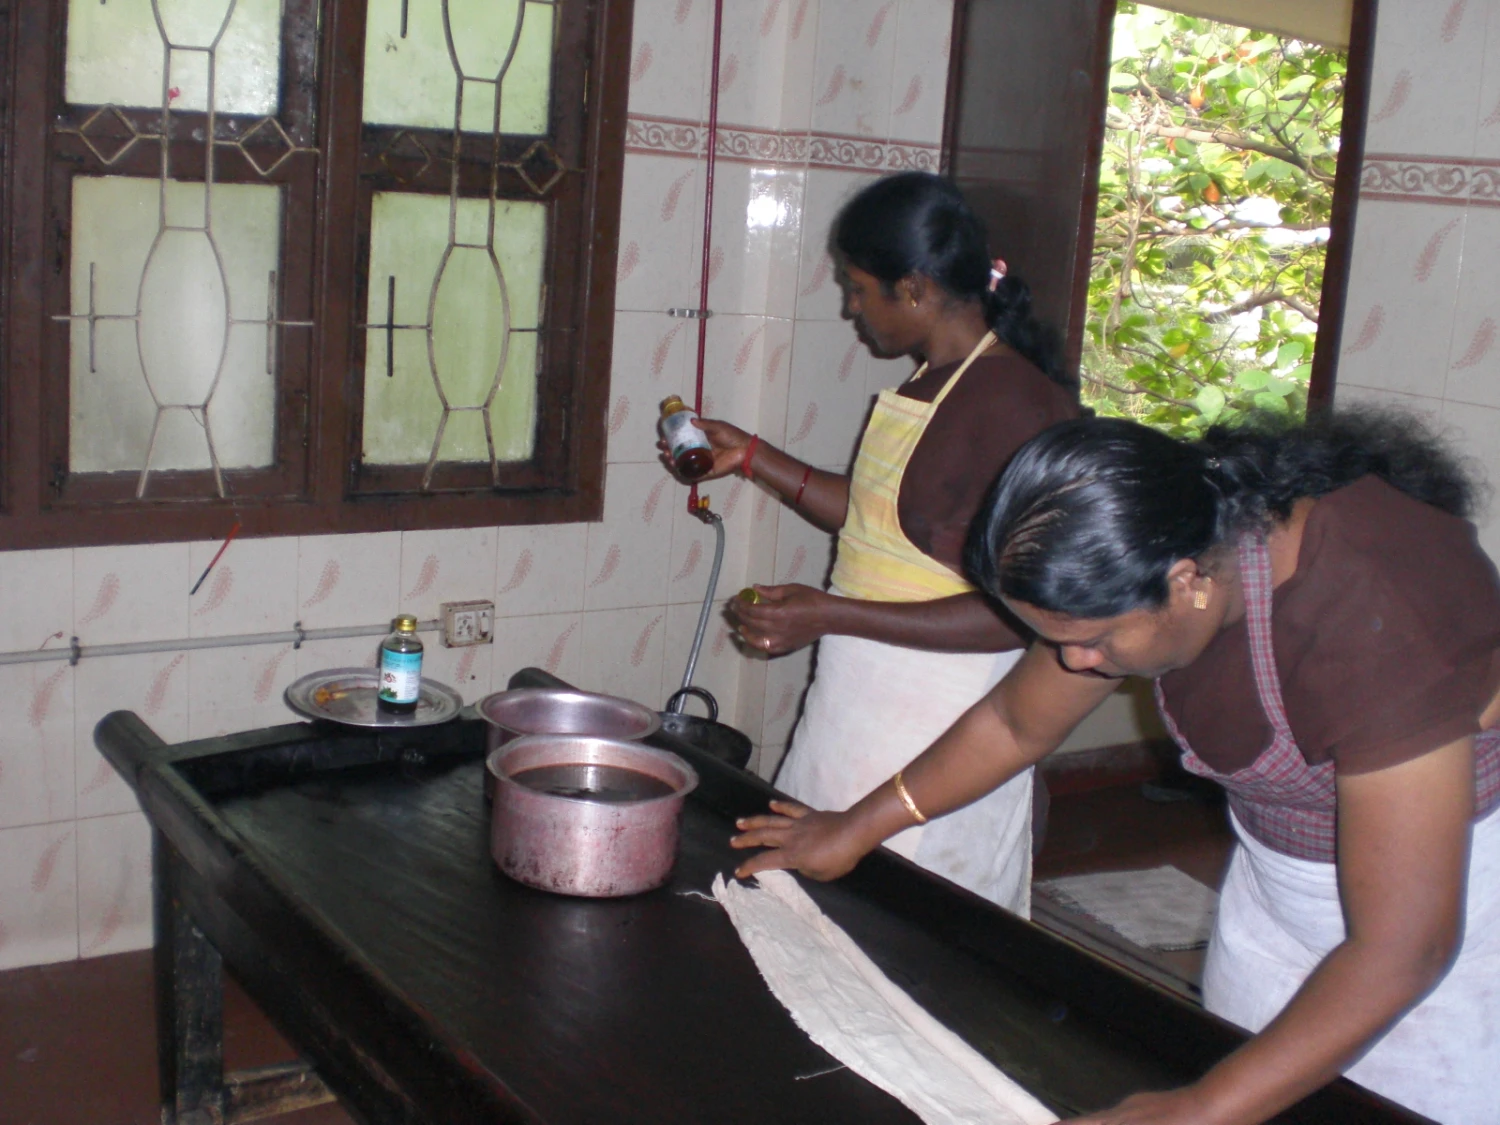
294, 637
708, 221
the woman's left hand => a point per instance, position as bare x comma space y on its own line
1185, 1106
785, 619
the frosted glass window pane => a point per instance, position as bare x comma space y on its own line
116, 54
481, 307
191, 305
413, 81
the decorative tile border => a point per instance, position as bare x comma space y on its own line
666, 136
1398, 178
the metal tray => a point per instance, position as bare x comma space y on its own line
348, 696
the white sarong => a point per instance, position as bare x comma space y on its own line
871, 709
1279, 916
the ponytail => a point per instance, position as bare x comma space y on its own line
1091, 514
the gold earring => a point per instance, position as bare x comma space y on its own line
913, 302
1200, 599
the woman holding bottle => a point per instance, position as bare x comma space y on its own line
906, 642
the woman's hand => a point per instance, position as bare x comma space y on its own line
729, 444
1186, 1106
821, 845
785, 619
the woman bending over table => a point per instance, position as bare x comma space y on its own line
1324, 632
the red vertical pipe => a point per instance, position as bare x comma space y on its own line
708, 220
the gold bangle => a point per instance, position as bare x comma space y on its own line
911, 806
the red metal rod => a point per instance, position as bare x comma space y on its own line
708, 220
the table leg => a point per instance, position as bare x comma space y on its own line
189, 1009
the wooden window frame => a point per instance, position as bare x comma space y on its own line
317, 483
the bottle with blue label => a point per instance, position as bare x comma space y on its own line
400, 667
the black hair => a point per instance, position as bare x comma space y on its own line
1090, 515
916, 222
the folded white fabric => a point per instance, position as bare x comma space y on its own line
1157, 908
849, 1008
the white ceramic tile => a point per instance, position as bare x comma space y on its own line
920, 70
669, 58
1398, 320
1474, 362
466, 670
131, 593
552, 642
752, 59
694, 544
623, 653
804, 553
719, 661
799, 67
1426, 406
1477, 430
456, 565
661, 231
36, 745
750, 705
747, 211
348, 579
630, 551
765, 514
767, 760
38, 895
114, 884
241, 688
738, 350
787, 678
827, 401
155, 686
36, 599
1424, 91
540, 569
251, 589
818, 296
773, 359
787, 188
654, 356
1487, 138
852, 83
346, 652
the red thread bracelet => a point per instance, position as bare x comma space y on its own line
801, 488
749, 453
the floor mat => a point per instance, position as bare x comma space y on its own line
1158, 908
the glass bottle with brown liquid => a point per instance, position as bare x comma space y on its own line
689, 446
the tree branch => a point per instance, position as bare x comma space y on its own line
1256, 300
1229, 140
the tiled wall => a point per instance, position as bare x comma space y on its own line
817, 97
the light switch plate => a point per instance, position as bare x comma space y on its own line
468, 623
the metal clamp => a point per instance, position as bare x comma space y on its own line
691, 314
301, 634
75, 652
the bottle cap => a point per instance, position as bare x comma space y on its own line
672, 400
405, 623
749, 594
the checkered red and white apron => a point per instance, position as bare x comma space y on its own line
1280, 913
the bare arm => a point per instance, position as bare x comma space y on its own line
1017, 724
1403, 854
792, 616
823, 502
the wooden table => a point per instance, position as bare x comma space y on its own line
344, 877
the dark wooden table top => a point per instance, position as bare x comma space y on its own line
346, 878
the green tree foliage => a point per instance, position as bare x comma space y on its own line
1215, 190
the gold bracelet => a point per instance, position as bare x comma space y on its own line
911, 806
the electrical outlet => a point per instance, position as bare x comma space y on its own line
468, 623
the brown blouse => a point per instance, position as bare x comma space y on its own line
1001, 402
1387, 641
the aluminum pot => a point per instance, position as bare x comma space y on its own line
564, 837
523, 711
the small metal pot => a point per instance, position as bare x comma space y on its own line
709, 735
570, 844
524, 711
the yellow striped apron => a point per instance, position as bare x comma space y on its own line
876, 561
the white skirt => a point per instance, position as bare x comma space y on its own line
871, 709
1279, 916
